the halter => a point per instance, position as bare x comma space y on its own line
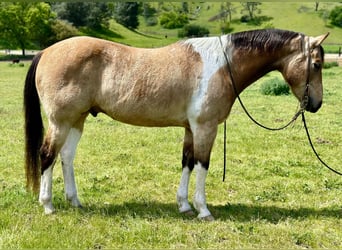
305, 101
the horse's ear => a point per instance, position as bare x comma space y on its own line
316, 41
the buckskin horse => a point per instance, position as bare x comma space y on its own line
187, 84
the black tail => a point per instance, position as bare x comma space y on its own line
34, 129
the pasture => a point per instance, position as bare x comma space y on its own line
276, 194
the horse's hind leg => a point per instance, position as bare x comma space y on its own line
188, 165
52, 144
68, 152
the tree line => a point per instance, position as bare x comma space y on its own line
40, 24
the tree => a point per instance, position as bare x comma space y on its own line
173, 20
99, 15
336, 16
126, 13
226, 11
80, 14
22, 23
149, 14
62, 29
73, 12
251, 8
193, 30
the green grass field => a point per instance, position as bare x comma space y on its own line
276, 194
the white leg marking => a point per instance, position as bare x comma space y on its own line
45, 194
199, 197
68, 152
182, 193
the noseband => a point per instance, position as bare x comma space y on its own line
306, 97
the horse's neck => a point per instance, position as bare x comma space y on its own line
249, 66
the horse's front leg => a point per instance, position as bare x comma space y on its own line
204, 136
188, 165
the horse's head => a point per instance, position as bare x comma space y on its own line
303, 72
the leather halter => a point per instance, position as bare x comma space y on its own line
306, 97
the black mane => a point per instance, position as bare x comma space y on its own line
268, 39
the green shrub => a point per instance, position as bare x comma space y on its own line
328, 65
193, 30
226, 28
173, 20
275, 86
336, 16
151, 21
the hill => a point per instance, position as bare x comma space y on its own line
297, 16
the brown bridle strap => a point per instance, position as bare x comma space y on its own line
305, 101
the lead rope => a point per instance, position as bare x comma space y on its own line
313, 148
301, 111
294, 118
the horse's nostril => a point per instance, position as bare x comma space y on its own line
313, 107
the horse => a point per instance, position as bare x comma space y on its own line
192, 83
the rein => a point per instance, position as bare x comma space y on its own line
301, 111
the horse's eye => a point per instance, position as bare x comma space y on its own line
317, 66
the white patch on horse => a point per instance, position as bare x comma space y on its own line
199, 197
210, 51
45, 194
182, 193
67, 155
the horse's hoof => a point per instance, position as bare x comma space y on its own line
189, 213
49, 210
207, 218
76, 204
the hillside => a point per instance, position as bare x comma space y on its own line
297, 16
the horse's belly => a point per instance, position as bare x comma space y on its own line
151, 116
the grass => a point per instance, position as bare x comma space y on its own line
276, 194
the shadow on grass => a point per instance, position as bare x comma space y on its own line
102, 32
232, 212
145, 35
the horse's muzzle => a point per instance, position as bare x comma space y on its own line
313, 106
